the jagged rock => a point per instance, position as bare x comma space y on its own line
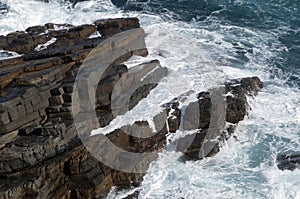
288, 161
136, 85
110, 27
4, 119
214, 112
39, 142
236, 101
107, 83
36, 30
174, 115
41, 155
19, 42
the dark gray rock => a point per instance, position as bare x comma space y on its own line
289, 160
41, 155
213, 112
109, 27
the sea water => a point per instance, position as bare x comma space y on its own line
203, 43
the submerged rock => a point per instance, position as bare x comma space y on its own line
289, 161
3, 8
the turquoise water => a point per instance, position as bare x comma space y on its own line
203, 43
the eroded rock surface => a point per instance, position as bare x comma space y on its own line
220, 110
41, 155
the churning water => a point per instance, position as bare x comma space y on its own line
202, 43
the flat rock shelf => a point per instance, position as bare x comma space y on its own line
41, 154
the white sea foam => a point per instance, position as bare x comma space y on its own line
95, 35
200, 57
45, 45
22, 15
5, 54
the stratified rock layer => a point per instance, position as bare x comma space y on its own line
217, 117
41, 155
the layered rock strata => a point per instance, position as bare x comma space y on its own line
41, 155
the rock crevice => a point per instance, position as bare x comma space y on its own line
41, 154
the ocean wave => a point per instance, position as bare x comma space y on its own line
202, 43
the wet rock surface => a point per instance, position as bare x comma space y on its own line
289, 161
220, 110
41, 154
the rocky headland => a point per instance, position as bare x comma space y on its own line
41, 153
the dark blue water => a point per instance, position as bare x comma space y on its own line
203, 42
277, 17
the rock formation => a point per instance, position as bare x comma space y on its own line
219, 111
41, 154
289, 161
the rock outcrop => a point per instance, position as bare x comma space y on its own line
289, 161
41, 154
220, 110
